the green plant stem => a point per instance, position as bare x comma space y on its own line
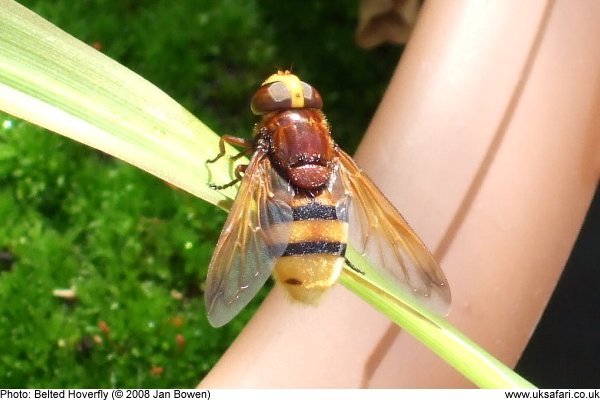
435, 332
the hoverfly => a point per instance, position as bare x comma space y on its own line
301, 200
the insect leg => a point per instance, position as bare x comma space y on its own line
353, 267
245, 152
239, 170
234, 141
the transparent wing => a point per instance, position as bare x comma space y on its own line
379, 232
253, 237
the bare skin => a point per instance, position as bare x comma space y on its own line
488, 142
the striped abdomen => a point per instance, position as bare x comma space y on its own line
314, 256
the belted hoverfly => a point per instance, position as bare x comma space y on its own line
301, 201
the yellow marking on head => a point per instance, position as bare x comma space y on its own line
292, 82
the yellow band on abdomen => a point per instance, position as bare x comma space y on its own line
305, 278
310, 231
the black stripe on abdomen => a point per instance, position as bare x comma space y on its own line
298, 249
314, 210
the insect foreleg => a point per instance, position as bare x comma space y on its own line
239, 170
240, 154
234, 141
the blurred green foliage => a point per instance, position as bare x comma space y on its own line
136, 249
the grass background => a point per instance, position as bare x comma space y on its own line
73, 217
135, 248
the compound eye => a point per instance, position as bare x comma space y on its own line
271, 97
312, 98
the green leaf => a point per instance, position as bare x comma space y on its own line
53, 80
